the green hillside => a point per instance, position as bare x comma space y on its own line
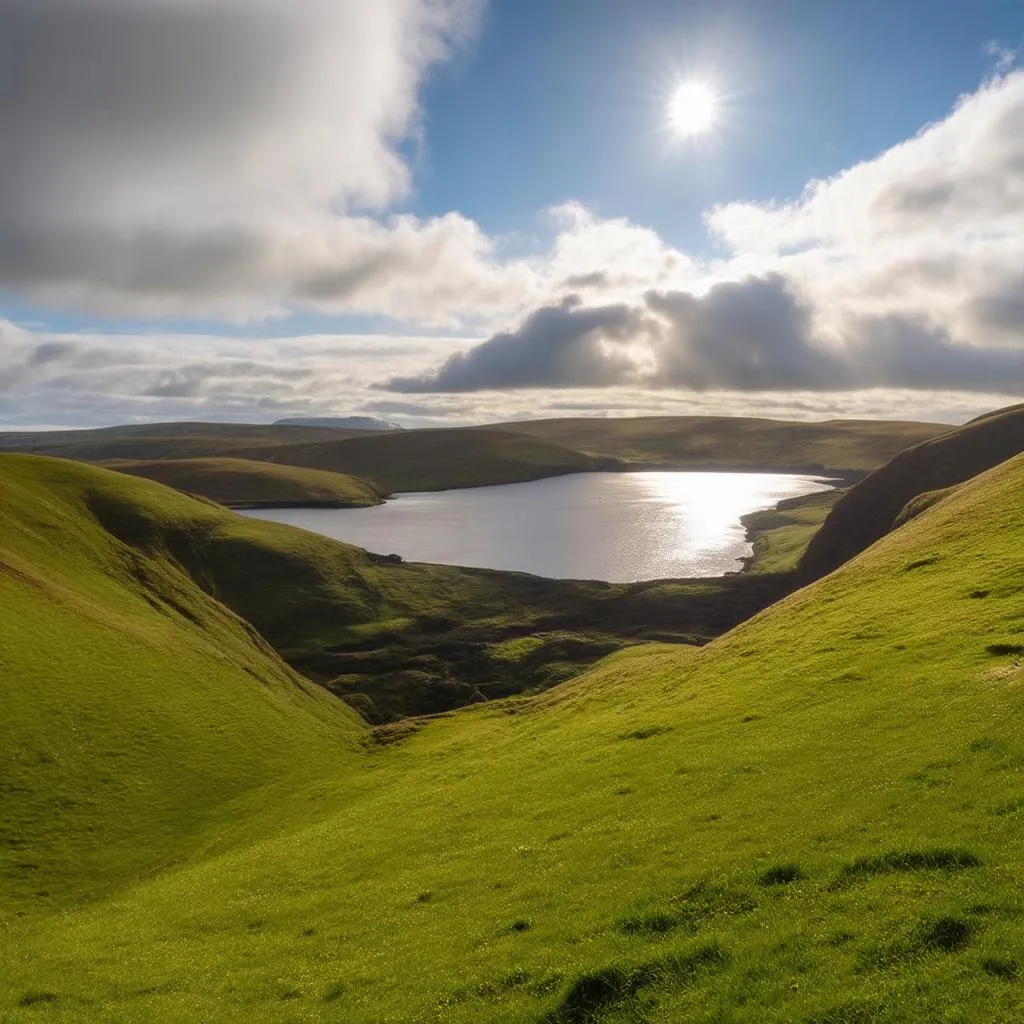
186, 440
872, 508
437, 459
429, 460
779, 536
135, 708
815, 818
244, 483
733, 442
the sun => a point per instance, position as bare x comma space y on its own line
693, 108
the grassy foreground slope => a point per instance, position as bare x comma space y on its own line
871, 508
248, 484
733, 442
816, 818
135, 707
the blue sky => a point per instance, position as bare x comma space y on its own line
565, 100
376, 183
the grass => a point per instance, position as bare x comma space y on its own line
245, 483
436, 459
136, 708
433, 460
861, 720
913, 481
780, 536
733, 442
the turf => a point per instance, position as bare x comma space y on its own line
244, 483
780, 536
437, 459
875, 505
429, 460
136, 708
815, 818
733, 442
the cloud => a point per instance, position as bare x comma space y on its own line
557, 346
903, 271
229, 157
98, 380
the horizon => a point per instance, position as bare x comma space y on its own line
459, 212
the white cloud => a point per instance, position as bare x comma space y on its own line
229, 157
903, 271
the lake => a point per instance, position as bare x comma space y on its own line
620, 527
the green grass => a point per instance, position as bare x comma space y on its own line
430, 460
437, 459
245, 483
780, 536
136, 708
884, 499
733, 442
815, 818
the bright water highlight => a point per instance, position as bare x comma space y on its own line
620, 527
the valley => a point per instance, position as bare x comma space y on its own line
538, 800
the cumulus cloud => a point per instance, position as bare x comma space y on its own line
903, 271
82, 380
567, 345
233, 157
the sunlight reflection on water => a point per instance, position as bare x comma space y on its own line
620, 527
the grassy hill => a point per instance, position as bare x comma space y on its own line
733, 442
438, 459
429, 460
872, 507
815, 818
166, 440
780, 536
136, 708
244, 483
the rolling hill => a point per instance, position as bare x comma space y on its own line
166, 440
815, 818
733, 442
136, 708
437, 459
244, 483
434, 460
871, 508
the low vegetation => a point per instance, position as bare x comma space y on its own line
912, 480
733, 442
658, 839
437, 459
780, 536
244, 483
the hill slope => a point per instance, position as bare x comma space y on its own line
244, 483
733, 442
135, 707
870, 509
815, 818
434, 460
166, 440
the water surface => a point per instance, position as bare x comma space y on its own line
620, 527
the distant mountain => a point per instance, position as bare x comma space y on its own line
340, 423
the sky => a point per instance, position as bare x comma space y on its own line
459, 211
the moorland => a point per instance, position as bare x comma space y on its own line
536, 801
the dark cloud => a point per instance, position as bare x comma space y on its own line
755, 334
745, 335
557, 346
596, 279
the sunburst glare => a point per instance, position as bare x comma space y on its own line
693, 108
